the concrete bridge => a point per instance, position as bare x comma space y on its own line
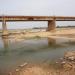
51, 20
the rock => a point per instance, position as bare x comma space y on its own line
23, 65
70, 55
56, 62
63, 62
71, 58
67, 66
17, 69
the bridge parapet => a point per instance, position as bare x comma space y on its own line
26, 18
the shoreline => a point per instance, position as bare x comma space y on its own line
63, 66
60, 32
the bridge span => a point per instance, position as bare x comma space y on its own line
51, 20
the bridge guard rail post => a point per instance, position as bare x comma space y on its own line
51, 25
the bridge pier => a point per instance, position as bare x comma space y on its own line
51, 25
4, 31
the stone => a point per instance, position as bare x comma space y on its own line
17, 69
70, 55
63, 62
23, 65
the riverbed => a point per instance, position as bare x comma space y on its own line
14, 52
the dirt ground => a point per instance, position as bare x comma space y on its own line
43, 70
64, 32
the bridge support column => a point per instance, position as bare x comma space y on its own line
51, 25
4, 32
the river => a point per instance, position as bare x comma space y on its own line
35, 50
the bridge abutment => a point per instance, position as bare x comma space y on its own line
51, 25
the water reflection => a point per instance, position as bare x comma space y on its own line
17, 51
5, 44
10, 44
56, 43
28, 45
51, 41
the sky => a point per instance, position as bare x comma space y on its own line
36, 8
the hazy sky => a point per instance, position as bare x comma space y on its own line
37, 7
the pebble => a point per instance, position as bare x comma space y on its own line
63, 62
71, 58
23, 65
17, 70
57, 62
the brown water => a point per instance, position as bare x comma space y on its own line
14, 52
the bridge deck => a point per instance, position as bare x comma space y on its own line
37, 18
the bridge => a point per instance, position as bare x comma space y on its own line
51, 20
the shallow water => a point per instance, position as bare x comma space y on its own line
14, 52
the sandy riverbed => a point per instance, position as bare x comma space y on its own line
67, 32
